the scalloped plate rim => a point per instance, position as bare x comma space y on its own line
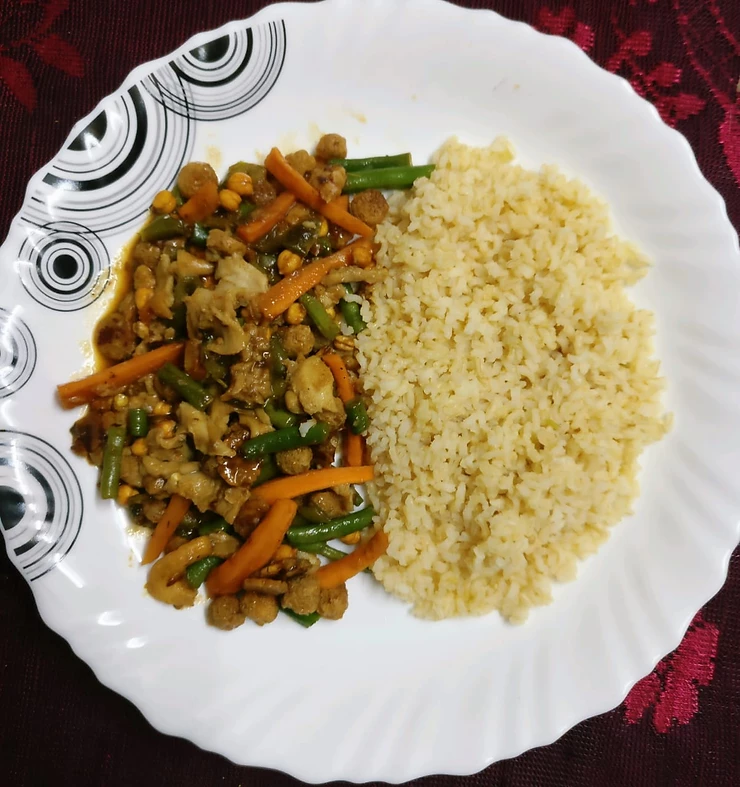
58, 623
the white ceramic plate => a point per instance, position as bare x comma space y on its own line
380, 695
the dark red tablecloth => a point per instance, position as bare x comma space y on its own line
681, 724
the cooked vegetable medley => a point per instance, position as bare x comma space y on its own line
230, 417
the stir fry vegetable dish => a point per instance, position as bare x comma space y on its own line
230, 418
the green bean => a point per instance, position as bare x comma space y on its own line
216, 365
327, 551
279, 418
110, 472
320, 548
214, 524
373, 162
136, 510
162, 228
197, 573
239, 166
284, 440
267, 264
245, 211
323, 247
191, 519
185, 285
335, 528
351, 313
302, 237
313, 514
186, 531
299, 521
393, 178
255, 171
278, 373
319, 316
190, 390
357, 416
272, 242
305, 620
268, 470
200, 235
138, 422
179, 321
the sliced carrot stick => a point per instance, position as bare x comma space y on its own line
345, 389
173, 514
278, 166
339, 571
265, 219
343, 218
354, 450
312, 481
256, 552
201, 204
277, 299
341, 202
82, 391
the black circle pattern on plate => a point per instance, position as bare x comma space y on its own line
108, 174
17, 353
224, 77
64, 266
40, 503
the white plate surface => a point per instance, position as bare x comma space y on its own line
381, 695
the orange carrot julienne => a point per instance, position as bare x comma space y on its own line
288, 290
82, 391
201, 204
266, 218
168, 522
256, 551
343, 218
312, 481
339, 571
345, 389
292, 180
341, 202
354, 450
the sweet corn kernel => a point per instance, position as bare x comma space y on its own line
344, 343
124, 493
352, 538
164, 202
120, 401
229, 199
323, 228
167, 428
240, 183
295, 315
284, 551
139, 447
288, 262
142, 297
362, 257
161, 408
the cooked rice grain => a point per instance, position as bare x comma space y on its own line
512, 384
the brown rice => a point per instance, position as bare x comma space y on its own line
511, 380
